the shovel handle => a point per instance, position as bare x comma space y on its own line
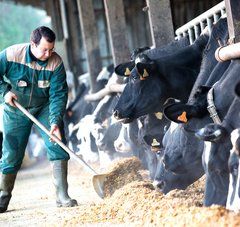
56, 139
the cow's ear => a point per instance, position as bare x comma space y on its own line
176, 111
125, 69
211, 132
145, 69
237, 89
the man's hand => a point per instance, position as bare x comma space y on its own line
8, 98
56, 132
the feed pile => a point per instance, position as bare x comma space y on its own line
121, 173
136, 203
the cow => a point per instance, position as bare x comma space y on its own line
182, 152
90, 128
153, 79
150, 134
180, 138
219, 140
214, 155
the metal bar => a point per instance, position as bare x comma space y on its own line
219, 8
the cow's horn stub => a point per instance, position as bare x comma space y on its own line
183, 117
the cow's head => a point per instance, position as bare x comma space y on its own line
179, 112
215, 158
142, 93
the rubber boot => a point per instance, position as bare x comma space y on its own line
6, 187
61, 184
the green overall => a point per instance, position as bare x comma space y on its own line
42, 89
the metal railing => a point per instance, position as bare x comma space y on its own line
194, 27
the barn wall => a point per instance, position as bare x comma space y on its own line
186, 10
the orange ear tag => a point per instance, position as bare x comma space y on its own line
183, 117
127, 72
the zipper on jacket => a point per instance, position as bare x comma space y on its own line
30, 99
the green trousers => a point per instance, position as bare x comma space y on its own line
16, 131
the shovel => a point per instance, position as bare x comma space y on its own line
98, 180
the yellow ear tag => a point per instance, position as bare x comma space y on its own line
127, 72
159, 115
155, 143
183, 117
145, 75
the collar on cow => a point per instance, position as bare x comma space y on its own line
212, 108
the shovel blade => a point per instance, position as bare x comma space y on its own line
98, 181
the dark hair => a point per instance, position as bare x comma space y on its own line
40, 32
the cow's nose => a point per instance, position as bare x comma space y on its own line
159, 185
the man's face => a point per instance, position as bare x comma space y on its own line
43, 50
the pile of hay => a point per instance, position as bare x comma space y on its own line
121, 173
136, 202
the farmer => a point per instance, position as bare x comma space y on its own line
34, 75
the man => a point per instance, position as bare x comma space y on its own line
34, 75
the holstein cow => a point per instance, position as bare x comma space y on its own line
150, 134
89, 128
233, 201
182, 150
153, 80
179, 144
218, 143
216, 171
180, 137
79, 107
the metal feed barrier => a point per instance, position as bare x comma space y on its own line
194, 27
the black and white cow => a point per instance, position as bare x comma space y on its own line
182, 151
219, 139
154, 79
233, 200
180, 137
215, 155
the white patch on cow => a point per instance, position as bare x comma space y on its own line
104, 74
230, 187
235, 205
140, 125
101, 103
155, 184
84, 135
121, 144
173, 127
137, 60
234, 136
207, 150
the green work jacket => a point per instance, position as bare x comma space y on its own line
35, 83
